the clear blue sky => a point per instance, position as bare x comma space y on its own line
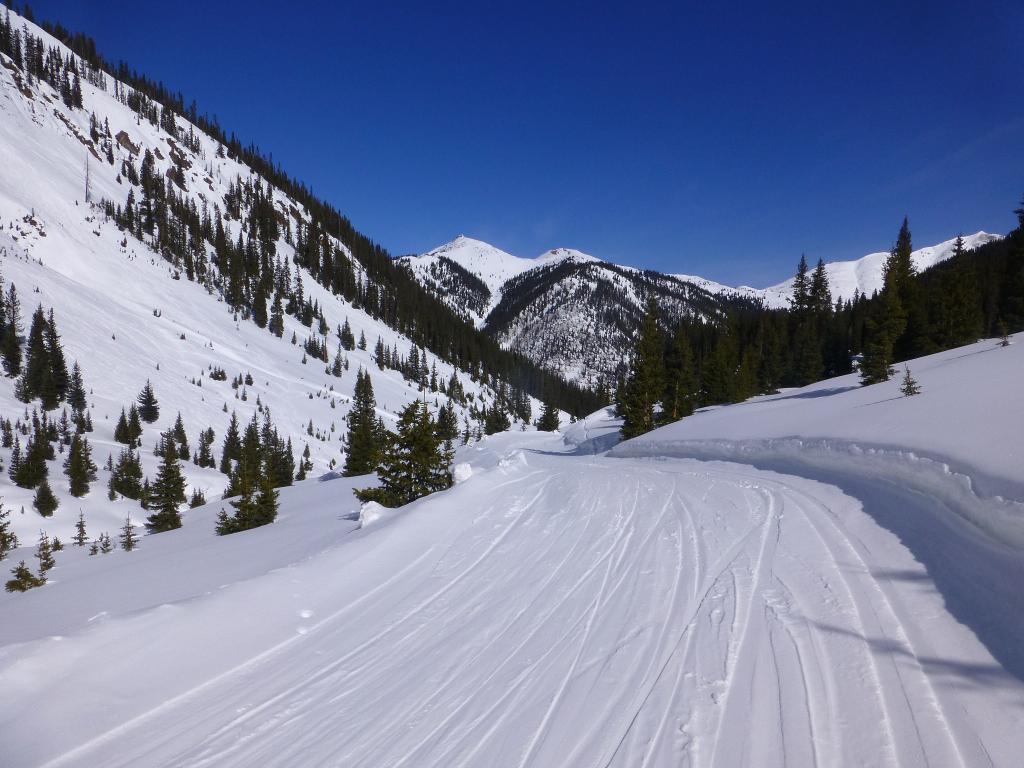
710, 138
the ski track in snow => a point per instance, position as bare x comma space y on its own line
582, 611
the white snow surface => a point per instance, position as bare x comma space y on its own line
106, 288
561, 607
492, 265
865, 275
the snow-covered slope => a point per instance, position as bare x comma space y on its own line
128, 315
865, 275
492, 266
576, 315
560, 608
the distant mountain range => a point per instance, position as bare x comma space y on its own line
576, 314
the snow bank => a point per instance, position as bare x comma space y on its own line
961, 442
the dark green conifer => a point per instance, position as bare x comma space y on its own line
167, 493
363, 447
646, 382
415, 462
44, 501
149, 408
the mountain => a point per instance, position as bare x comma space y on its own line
866, 274
165, 252
577, 315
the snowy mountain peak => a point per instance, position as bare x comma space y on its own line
865, 275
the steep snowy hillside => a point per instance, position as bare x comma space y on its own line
469, 275
560, 608
128, 311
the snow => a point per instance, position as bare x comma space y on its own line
63, 254
565, 607
865, 275
844, 590
492, 265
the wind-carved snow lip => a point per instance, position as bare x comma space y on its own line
993, 505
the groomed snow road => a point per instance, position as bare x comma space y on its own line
553, 610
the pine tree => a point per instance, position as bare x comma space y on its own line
45, 502
8, 539
549, 418
180, 438
496, 419
121, 431
276, 323
447, 422
128, 539
76, 390
415, 462
204, 456
909, 387
646, 383
232, 447
44, 554
37, 376
79, 466
680, 380
149, 408
363, 446
80, 536
197, 499
134, 426
167, 492
57, 381
10, 345
880, 328
126, 477
23, 580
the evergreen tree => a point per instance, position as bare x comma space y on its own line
149, 408
37, 377
8, 539
80, 536
415, 462
134, 425
204, 456
909, 387
646, 383
167, 492
363, 444
128, 539
496, 419
549, 418
10, 344
76, 390
58, 380
121, 432
197, 499
126, 477
23, 580
232, 447
79, 466
44, 501
681, 385
880, 327
447, 422
180, 438
276, 324
44, 554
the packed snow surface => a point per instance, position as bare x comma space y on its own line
562, 606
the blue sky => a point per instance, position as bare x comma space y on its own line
705, 138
